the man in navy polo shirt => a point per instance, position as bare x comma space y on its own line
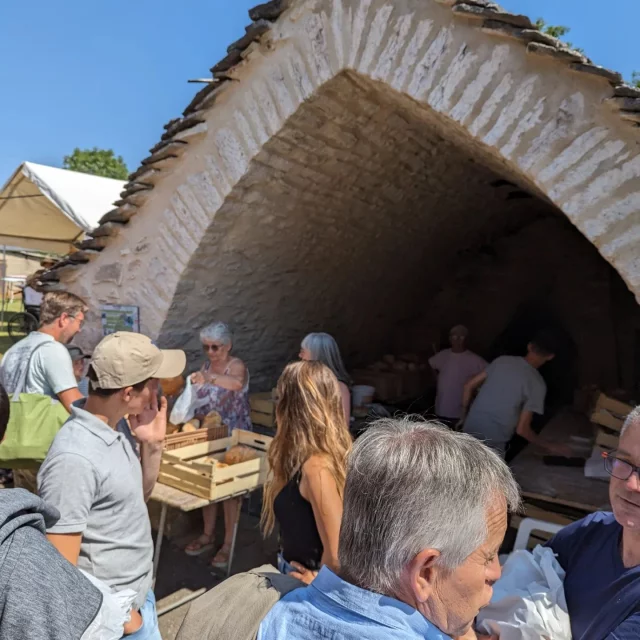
601, 553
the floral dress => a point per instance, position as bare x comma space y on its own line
233, 406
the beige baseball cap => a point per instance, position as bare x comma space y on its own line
123, 359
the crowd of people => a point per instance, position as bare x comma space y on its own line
395, 535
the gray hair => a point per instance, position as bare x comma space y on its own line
632, 418
217, 331
324, 348
414, 485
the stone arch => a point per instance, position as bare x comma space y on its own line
522, 113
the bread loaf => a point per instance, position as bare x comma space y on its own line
213, 419
240, 453
172, 386
212, 460
172, 428
192, 425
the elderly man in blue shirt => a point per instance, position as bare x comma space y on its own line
425, 512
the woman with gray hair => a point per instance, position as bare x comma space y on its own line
425, 512
323, 348
223, 387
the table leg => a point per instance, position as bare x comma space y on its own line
156, 554
233, 540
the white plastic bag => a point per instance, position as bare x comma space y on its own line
528, 601
112, 615
185, 406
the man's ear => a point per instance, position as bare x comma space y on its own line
422, 574
126, 394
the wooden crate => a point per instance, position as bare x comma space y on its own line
178, 440
263, 409
610, 413
608, 439
183, 469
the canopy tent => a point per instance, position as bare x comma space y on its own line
49, 209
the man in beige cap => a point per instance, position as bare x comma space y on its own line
98, 478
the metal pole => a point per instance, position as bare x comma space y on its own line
4, 282
156, 555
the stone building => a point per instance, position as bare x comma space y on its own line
381, 169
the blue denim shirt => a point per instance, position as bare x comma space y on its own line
332, 608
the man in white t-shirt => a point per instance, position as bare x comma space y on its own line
454, 368
48, 363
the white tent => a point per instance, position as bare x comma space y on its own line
49, 209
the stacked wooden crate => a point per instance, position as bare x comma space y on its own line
263, 409
609, 415
198, 469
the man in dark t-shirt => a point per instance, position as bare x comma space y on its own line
601, 553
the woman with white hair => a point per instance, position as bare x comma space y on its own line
323, 348
224, 384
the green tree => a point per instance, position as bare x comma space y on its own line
556, 31
635, 79
98, 162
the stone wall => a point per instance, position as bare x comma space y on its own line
346, 165
347, 220
546, 265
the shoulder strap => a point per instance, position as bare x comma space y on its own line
23, 377
240, 602
226, 371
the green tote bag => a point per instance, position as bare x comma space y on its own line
34, 421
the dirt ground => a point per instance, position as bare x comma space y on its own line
179, 575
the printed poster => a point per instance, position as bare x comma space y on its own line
117, 317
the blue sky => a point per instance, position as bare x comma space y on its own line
110, 73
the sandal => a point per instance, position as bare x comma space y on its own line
200, 545
221, 559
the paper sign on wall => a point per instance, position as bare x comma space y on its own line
117, 317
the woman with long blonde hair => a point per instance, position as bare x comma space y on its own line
308, 457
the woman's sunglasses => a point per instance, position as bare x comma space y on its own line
211, 347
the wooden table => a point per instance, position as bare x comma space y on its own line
170, 497
561, 488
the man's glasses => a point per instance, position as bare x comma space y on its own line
211, 347
620, 469
80, 322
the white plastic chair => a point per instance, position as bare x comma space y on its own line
527, 525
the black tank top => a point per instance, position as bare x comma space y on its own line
299, 537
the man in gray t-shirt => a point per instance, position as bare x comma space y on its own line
43, 352
46, 361
93, 477
511, 390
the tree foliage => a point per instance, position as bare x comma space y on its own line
98, 162
556, 31
635, 79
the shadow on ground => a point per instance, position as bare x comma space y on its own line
179, 574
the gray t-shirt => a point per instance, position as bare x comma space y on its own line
50, 369
512, 386
92, 475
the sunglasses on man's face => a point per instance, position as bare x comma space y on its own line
211, 347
